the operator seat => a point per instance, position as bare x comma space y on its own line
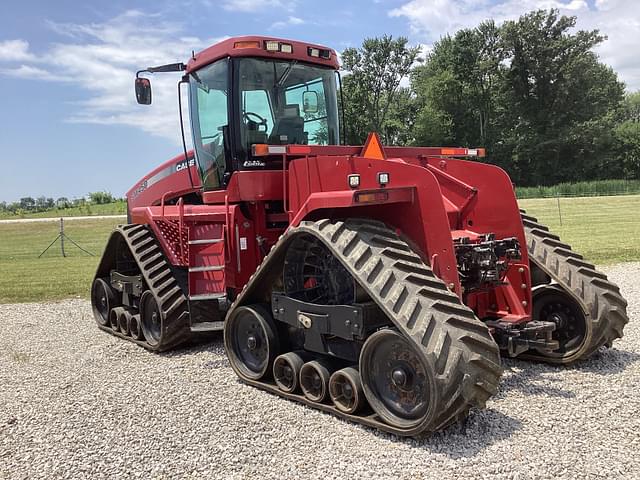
289, 127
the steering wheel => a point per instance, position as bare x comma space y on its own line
261, 120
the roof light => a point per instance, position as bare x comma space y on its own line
463, 152
286, 48
271, 46
247, 44
313, 52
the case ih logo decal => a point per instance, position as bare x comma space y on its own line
183, 164
165, 172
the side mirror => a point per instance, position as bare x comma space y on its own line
143, 91
310, 102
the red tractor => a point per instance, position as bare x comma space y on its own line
380, 284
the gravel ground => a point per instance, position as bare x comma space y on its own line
76, 402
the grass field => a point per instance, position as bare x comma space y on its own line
24, 277
115, 208
604, 229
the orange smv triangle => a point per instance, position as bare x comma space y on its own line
373, 148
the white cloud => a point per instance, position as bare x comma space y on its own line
15, 50
289, 21
102, 58
34, 73
618, 19
254, 5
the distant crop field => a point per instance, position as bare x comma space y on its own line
114, 208
605, 230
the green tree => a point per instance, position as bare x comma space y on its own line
100, 198
373, 86
627, 135
532, 91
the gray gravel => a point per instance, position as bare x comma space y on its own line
76, 403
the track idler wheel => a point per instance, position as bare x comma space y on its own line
103, 299
251, 341
398, 384
134, 327
150, 318
345, 389
286, 370
314, 380
553, 304
114, 318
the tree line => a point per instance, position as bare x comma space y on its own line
531, 91
41, 204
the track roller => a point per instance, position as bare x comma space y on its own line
124, 321
251, 341
134, 327
345, 389
103, 299
286, 370
314, 380
397, 381
114, 318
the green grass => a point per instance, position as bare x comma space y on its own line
604, 229
115, 208
24, 277
581, 189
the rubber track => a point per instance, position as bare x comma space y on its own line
455, 343
159, 279
599, 298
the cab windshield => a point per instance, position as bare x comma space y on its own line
277, 103
286, 102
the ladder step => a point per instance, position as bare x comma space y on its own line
207, 326
205, 241
207, 268
208, 296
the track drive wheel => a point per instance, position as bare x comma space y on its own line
398, 384
345, 388
103, 299
251, 341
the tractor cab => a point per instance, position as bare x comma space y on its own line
249, 92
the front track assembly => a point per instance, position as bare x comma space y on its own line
585, 306
135, 294
418, 371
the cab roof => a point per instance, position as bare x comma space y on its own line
255, 46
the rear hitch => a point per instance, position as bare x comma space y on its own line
517, 339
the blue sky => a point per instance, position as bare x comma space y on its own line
70, 124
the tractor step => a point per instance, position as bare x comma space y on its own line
208, 296
207, 327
